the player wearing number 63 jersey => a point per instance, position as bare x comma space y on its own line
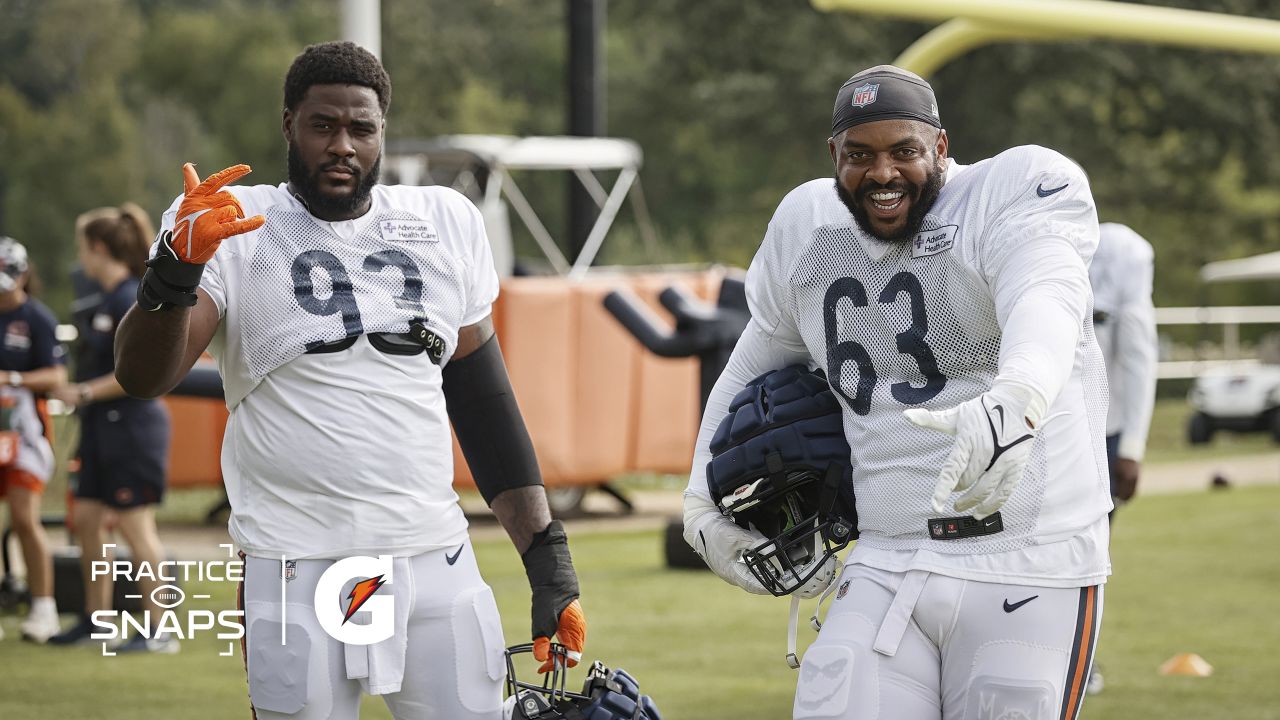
351, 326
950, 308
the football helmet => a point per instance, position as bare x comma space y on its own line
781, 466
606, 694
13, 262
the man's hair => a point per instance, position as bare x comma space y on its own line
335, 63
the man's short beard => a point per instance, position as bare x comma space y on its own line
307, 184
922, 199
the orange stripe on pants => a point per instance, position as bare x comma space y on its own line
1080, 662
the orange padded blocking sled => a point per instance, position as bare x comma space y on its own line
195, 452
665, 423
597, 403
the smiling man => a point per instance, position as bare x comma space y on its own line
351, 325
950, 308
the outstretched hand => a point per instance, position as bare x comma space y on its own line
208, 214
993, 434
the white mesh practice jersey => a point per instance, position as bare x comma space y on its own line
329, 454
1124, 319
917, 324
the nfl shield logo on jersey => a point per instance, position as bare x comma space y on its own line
865, 95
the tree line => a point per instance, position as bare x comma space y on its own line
731, 102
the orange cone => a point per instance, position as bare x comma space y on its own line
1188, 664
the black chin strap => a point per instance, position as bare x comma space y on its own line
830, 490
777, 473
827, 501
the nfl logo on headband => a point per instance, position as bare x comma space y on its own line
865, 95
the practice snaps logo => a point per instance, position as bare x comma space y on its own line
352, 586
169, 597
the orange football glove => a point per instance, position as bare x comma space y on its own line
208, 214
572, 634
556, 610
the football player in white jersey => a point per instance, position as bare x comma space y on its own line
351, 325
1124, 318
950, 308
1122, 274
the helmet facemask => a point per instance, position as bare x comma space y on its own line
799, 522
606, 694
780, 466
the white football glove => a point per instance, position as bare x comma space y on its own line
994, 433
720, 542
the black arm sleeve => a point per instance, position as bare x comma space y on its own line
490, 429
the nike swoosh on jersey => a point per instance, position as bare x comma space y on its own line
1046, 193
1010, 607
451, 559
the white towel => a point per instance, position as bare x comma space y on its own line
380, 667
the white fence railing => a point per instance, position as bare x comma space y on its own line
1229, 317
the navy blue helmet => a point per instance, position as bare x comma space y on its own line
781, 466
606, 694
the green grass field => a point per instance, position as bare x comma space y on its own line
1194, 573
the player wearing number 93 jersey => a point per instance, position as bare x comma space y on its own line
351, 325
290, 295
950, 309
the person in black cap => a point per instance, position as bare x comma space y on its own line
950, 309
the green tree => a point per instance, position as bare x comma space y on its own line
730, 101
1172, 138
67, 130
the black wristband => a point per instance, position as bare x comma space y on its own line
551, 578
168, 281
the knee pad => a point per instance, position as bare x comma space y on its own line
278, 672
478, 650
998, 697
826, 680
1015, 680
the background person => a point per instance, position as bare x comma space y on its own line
124, 441
31, 365
1124, 318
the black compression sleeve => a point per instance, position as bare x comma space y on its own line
490, 429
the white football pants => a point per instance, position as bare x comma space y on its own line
444, 660
920, 646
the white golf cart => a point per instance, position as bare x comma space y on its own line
1242, 395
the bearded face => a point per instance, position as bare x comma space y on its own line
889, 174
